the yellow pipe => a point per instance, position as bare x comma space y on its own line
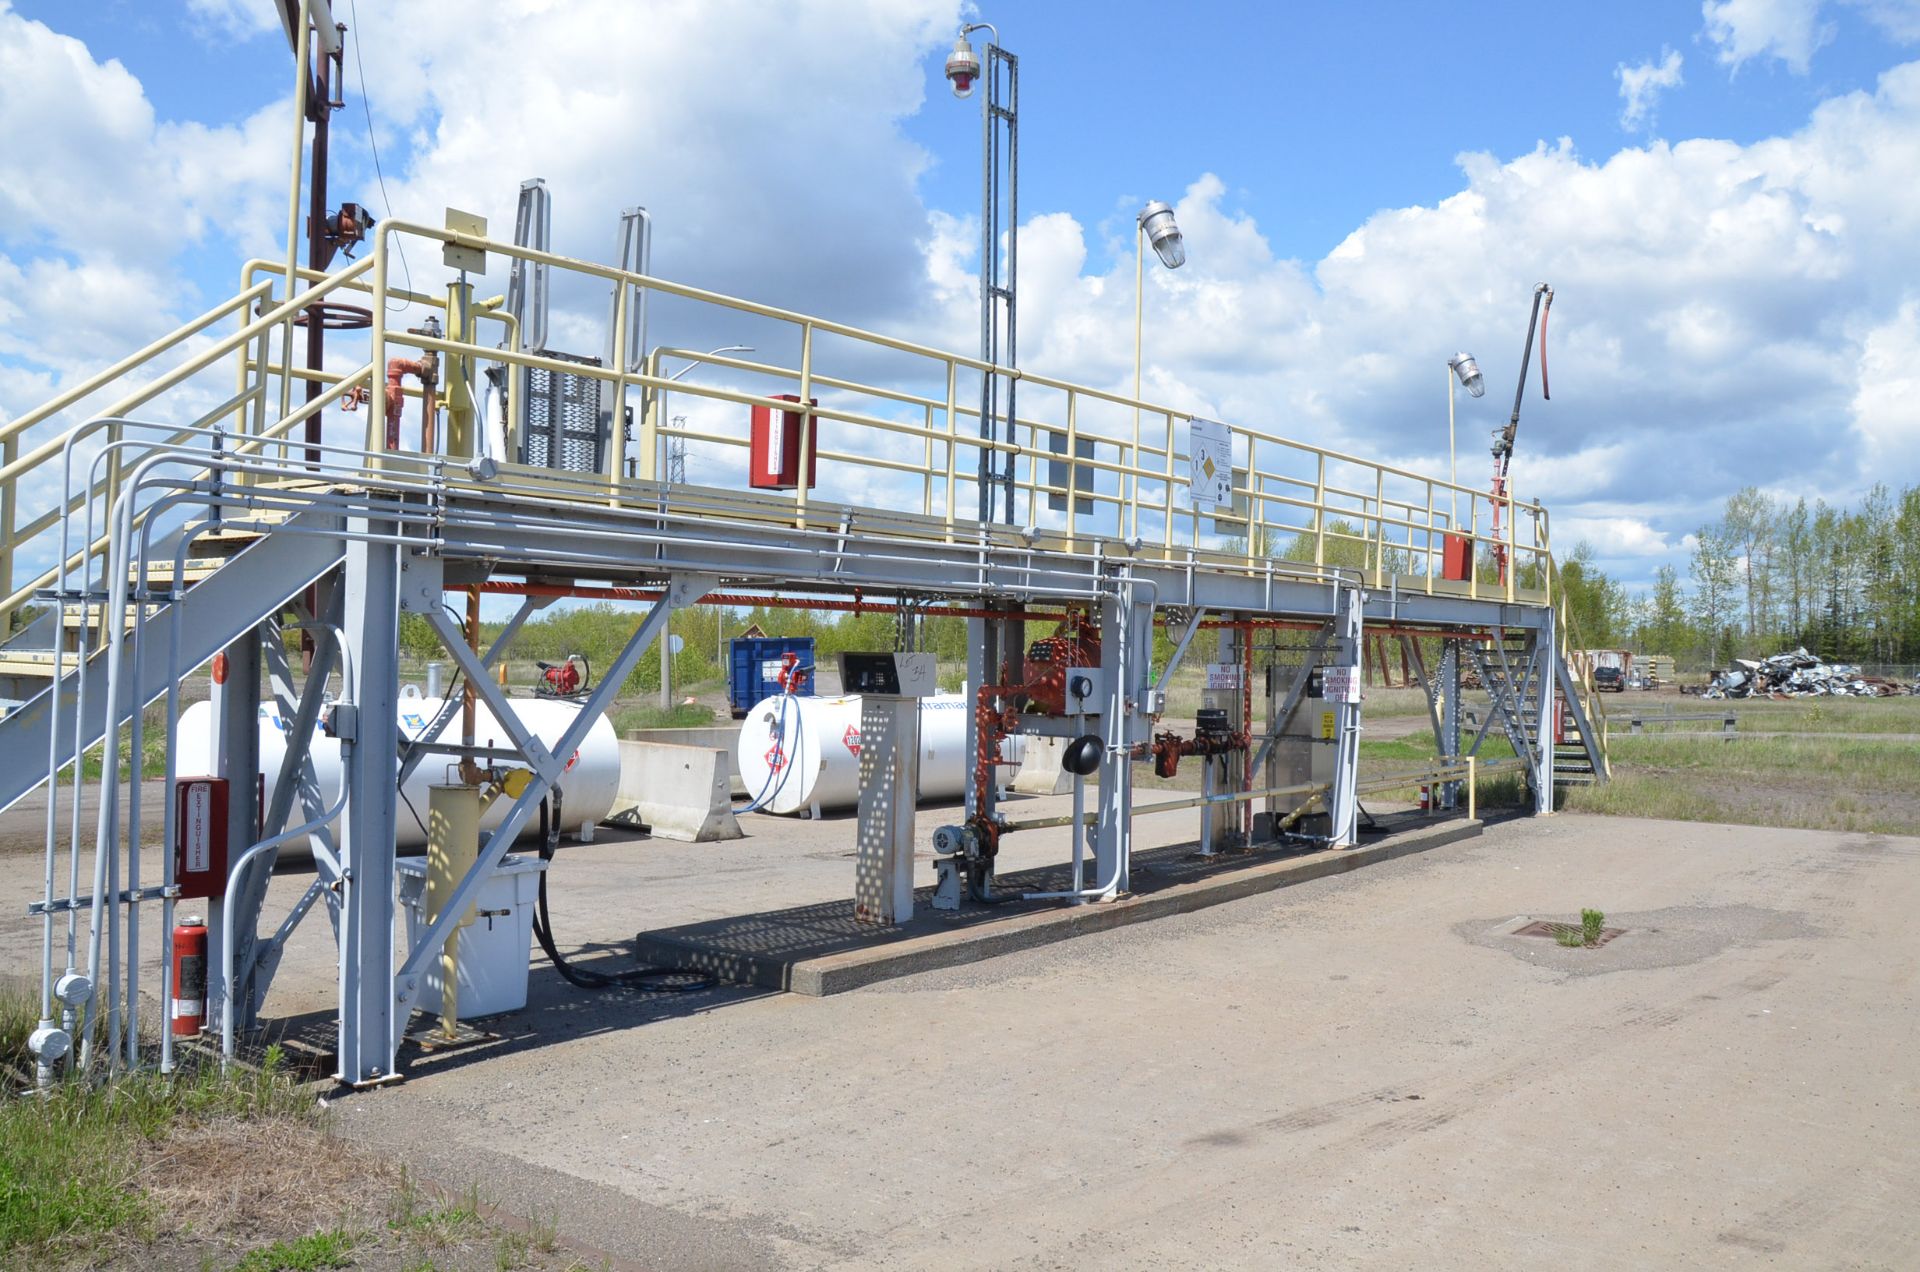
453, 844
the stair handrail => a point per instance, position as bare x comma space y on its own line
15, 467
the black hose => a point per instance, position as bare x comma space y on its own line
663, 980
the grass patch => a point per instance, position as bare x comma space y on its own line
70, 1159
315, 1251
1856, 784
686, 715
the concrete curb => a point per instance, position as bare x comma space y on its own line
838, 973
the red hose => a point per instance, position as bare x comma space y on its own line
1544, 314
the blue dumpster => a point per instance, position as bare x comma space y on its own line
753, 668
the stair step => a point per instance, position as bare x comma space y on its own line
35, 662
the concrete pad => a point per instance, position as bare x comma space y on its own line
822, 949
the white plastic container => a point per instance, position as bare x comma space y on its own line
589, 785
494, 948
797, 753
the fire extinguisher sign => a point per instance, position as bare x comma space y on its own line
196, 827
200, 836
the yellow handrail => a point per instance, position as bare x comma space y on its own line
1338, 509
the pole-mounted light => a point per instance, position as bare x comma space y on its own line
1157, 223
1469, 372
963, 66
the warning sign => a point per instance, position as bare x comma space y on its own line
1340, 684
1326, 726
1223, 675
1210, 452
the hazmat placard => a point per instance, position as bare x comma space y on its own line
1210, 450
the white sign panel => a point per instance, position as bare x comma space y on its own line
1340, 684
1223, 675
1210, 450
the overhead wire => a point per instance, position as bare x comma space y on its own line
373, 145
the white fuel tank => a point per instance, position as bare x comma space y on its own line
796, 752
591, 782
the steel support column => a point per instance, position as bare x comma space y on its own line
367, 1033
1448, 741
1349, 638
1545, 650
1126, 645
236, 757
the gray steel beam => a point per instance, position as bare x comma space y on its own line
236, 757
1343, 803
367, 1027
405, 984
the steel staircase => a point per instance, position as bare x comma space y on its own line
214, 602
1511, 668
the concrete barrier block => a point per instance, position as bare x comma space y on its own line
723, 735
678, 792
1040, 772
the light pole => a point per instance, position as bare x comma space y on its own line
999, 133
1461, 369
1154, 223
666, 642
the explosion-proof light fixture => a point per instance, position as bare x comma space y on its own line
963, 66
1157, 223
1469, 372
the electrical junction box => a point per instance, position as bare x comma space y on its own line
891, 675
1456, 557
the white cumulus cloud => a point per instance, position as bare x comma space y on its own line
1788, 30
1641, 86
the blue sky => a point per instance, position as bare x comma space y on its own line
1365, 189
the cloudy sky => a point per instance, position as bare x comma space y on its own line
1720, 194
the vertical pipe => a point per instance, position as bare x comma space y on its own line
9, 513
1453, 472
807, 425
317, 256
1320, 512
303, 51
953, 441
376, 439
453, 842
1139, 306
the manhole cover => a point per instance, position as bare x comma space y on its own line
1553, 931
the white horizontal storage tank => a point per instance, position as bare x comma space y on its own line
798, 752
588, 788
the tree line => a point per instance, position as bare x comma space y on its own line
1768, 575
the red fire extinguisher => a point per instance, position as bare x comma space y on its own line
1426, 799
189, 1006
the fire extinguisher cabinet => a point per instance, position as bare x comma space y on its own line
777, 439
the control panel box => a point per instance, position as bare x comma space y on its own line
890, 674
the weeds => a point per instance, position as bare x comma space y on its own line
1591, 922
317, 1250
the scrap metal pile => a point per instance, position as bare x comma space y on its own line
1800, 675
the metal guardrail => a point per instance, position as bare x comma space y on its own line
1727, 720
1288, 496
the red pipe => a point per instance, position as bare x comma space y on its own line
597, 593
397, 371
742, 599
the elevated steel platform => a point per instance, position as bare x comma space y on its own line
156, 544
